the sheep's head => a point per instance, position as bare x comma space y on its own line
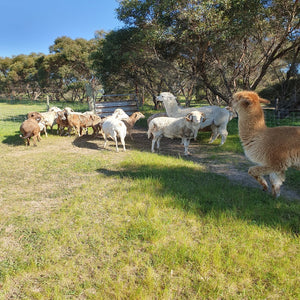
35, 115
54, 109
138, 115
195, 117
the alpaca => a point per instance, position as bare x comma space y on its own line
274, 150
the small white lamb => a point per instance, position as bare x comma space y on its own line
185, 128
114, 128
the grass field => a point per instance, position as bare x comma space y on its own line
88, 223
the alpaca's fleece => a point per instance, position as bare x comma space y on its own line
274, 150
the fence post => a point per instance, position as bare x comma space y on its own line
48, 102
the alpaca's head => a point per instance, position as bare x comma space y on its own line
247, 102
166, 96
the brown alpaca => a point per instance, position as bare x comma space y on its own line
274, 149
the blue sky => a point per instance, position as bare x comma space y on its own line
32, 25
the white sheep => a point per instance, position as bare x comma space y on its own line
49, 118
114, 128
185, 128
119, 114
216, 117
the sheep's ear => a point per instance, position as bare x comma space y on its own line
262, 100
189, 117
203, 118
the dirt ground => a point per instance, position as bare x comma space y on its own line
233, 166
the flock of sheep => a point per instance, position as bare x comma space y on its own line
274, 150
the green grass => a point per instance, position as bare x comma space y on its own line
93, 224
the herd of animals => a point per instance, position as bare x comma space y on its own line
273, 150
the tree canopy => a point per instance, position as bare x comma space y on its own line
199, 49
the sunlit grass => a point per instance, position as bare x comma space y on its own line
100, 225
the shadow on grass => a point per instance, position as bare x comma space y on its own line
86, 141
13, 140
207, 194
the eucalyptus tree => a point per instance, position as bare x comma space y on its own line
224, 45
18, 76
69, 66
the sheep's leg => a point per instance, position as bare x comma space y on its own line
158, 143
276, 180
116, 141
186, 143
114, 137
130, 134
214, 134
123, 143
153, 145
105, 139
224, 133
257, 173
34, 140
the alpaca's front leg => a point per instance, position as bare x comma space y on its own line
276, 180
257, 173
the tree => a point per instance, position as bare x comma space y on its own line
225, 45
70, 66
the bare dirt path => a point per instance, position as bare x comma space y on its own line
233, 166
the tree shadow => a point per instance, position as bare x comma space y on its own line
209, 194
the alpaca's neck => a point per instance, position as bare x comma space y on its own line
250, 125
171, 108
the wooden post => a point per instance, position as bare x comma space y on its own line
91, 97
48, 102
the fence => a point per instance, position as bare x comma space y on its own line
106, 104
273, 117
283, 117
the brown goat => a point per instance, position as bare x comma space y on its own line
273, 149
30, 128
62, 122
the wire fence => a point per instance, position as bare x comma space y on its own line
273, 117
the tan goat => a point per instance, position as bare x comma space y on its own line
130, 122
273, 149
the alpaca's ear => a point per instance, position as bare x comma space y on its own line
245, 101
261, 100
